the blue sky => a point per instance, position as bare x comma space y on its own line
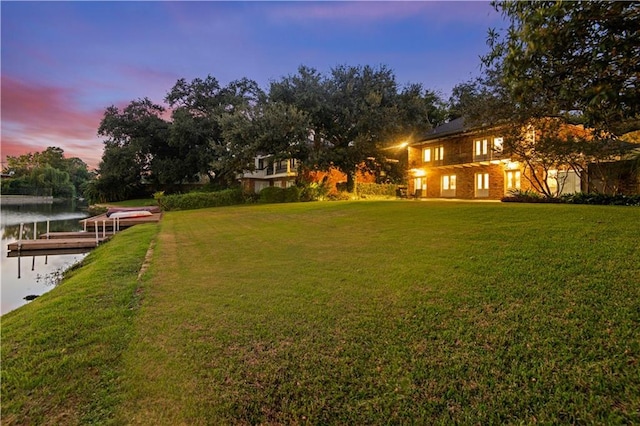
63, 63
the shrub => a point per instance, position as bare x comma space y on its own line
275, 194
602, 199
200, 200
376, 190
519, 196
292, 194
272, 194
314, 191
340, 196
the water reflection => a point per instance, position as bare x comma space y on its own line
27, 276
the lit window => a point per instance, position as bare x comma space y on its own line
513, 179
498, 144
426, 155
481, 148
439, 153
448, 186
482, 184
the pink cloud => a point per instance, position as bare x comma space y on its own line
35, 116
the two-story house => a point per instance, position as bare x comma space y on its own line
457, 161
270, 172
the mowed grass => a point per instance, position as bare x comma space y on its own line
395, 312
389, 312
62, 353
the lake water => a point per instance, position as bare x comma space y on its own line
34, 275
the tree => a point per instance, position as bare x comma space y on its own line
355, 113
571, 58
559, 68
268, 128
46, 172
198, 110
136, 145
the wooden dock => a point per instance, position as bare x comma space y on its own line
49, 252
103, 221
97, 229
66, 235
54, 244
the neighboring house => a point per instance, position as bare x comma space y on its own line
284, 173
269, 172
457, 161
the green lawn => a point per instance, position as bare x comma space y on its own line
347, 313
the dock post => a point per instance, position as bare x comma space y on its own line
35, 229
47, 229
104, 229
85, 225
20, 240
95, 225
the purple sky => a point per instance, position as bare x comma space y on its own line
63, 63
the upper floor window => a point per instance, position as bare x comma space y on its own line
426, 155
481, 147
438, 153
498, 144
484, 148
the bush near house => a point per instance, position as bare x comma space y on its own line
530, 196
602, 199
376, 190
274, 194
200, 200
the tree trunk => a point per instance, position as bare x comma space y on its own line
351, 182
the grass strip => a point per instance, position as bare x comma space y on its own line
389, 312
62, 353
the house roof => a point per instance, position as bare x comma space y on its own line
454, 127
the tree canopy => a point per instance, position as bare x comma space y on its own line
45, 173
346, 119
560, 58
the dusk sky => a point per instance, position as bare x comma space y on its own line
64, 63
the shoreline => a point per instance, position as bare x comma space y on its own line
13, 200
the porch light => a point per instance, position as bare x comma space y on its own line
418, 172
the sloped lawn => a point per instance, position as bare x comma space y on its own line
390, 312
396, 312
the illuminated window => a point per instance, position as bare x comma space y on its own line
448, 186
513, 179
481, 147
426, 155
449, 182
498, 144
439, 153
482, 184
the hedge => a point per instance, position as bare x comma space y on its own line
577, 198
370, 190
200, 200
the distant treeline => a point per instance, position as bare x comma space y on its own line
46, 173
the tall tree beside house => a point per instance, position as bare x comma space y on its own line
355, 113
268, 128
573, 58
198, 110
557, 65
135, 149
